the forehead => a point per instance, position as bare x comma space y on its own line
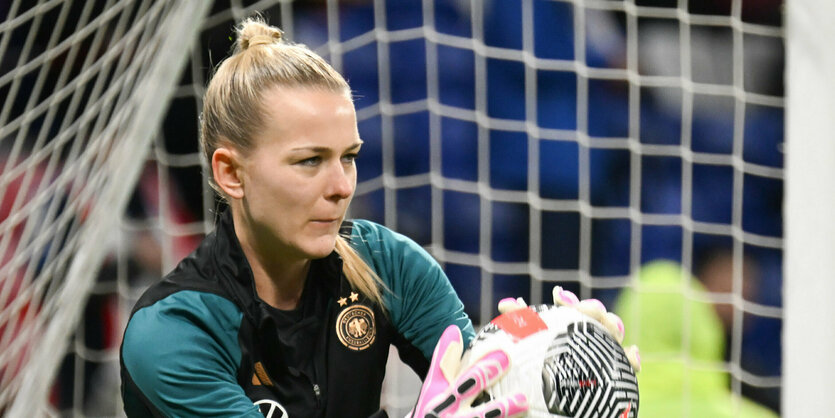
308, 113
306, 102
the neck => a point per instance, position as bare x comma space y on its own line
280, 288
279, 277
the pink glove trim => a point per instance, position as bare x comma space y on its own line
436, 382
440, 399
481, 374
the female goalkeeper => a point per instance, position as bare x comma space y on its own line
286, 308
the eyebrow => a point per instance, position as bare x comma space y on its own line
325, 149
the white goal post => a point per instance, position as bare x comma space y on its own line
808, 341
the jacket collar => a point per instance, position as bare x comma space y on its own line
236, 274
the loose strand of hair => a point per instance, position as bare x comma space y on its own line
359, 274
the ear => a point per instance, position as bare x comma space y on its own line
226, 164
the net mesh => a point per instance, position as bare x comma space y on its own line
524, 144
76, 120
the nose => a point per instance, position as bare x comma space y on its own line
341, 182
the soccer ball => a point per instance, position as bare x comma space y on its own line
565, 362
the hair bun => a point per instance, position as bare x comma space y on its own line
255, 31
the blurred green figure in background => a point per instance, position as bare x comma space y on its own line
682, 348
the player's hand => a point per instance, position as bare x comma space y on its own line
591, 307
447, 392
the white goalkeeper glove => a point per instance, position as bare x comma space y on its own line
591, 307
448, 392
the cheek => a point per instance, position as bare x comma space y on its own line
290, 194
269, 189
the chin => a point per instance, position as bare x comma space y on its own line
322, 247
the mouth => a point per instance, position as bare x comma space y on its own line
325, 221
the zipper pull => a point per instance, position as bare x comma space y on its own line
317, 392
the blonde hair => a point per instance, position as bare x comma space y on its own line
233, 111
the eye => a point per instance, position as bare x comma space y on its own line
349, 158
310, 162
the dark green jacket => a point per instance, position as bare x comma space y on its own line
201, 343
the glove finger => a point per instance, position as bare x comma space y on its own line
634, 357
481, 375
509, 305
564, 297
447, 354
593, 308
511, 406
597, 310
443, 368
475, 379
614, 325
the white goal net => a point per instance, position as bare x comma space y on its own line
84, 86
524, 143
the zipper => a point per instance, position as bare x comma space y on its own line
318, 392
319, 359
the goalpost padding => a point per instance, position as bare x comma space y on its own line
808, 336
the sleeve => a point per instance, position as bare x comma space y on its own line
181, 354
421, 301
